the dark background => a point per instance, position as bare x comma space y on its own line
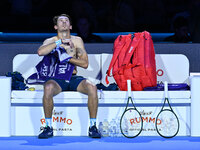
105, 15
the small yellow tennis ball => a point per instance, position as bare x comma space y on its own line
31, 89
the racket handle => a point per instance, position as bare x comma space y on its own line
129, 87
166, 88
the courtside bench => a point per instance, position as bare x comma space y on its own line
22, 113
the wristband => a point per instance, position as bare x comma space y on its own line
58, 42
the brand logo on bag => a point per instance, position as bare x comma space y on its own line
159, 72
130, 49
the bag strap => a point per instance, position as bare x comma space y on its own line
127, 58
136, 40
116, 53
134, 44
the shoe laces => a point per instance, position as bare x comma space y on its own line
43, 129
94, 128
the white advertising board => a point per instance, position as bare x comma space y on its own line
74, 121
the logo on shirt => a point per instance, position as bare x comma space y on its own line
44, 70
62, 69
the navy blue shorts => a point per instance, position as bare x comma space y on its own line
69, 85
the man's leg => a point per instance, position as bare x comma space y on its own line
51, 88
90, 89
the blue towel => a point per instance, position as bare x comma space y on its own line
54, 65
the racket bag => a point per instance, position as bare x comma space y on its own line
133, 59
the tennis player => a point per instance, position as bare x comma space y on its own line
77, 54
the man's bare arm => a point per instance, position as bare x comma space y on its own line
82, 57
81, 61
47, 47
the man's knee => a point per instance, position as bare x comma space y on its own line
49, 86
92, 89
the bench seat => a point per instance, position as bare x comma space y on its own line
24, 110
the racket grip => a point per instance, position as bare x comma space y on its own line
129, 87
166, 88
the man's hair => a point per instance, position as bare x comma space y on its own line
55, 19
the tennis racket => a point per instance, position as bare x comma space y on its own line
167, 123
131, 122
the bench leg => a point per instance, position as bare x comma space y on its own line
5, 106
195, 106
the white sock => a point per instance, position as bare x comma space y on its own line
92, 122
48, 122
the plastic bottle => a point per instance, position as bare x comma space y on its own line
105, 127
118, 131
101, 128
111, 129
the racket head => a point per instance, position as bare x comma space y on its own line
131, 123
167, 123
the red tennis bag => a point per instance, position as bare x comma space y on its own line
133, 59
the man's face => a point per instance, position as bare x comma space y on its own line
63, 24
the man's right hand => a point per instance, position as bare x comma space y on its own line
68, 42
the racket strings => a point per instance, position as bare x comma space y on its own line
131, 123
167, 123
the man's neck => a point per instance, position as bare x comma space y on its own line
64, 35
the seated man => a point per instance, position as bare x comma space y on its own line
77, 56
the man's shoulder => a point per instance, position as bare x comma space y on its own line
50, 40
75, 37
54, 38
77, 40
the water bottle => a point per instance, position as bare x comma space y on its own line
101, 128
118, 131
111, 128
115, 134
105, 127
126, 127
